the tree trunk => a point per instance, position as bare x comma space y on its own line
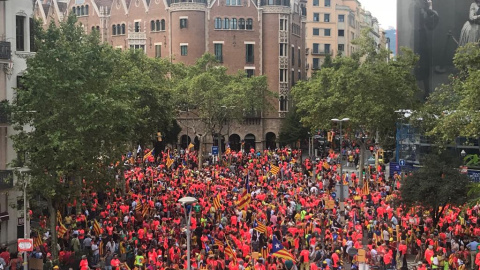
200, 152
361, 165
78, 181
52, 226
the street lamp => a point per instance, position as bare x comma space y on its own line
188, 201
22, 172
463, 153
342, 195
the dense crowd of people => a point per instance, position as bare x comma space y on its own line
291, 204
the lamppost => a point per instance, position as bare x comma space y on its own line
23, 172
342, 195
185, 201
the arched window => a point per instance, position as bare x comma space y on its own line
282, 102
218, 23
98, 28
241, 24
152, 25
74, 10
249, 24
114, 30
93, 28
234, 23
226, 23
82, 10
123, 29
157, 25
86, 10
162, 25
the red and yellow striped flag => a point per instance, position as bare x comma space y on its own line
244, 200
61, 230
96, 227
169, 161
365, 188
274, 169
216, 202
229, 253
37, 241
145, 209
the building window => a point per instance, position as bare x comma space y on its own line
327, 3
341, 47
249, 53
293, 56
226, 23
249, 24
316, 3
341, 33
74, 10
327, 48
316, 17
316, 63
241, 24
20, 33
299, 75
283, 75
316, 31
299, 58
292, 79
152, 25
283, 49
158, 50
137, 27
137, 47
316, 48
158, 26
219, 52
234, 2
32, 35
218, 23
162, 25
353, 35
326, 17
123, 29
234, 23
250, 72
98, 28
341, 18
82, 10
184, 50
183, 23
283, 103
327, 32
86, 10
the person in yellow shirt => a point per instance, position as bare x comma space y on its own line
139, 260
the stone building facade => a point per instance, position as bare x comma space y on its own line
261, 37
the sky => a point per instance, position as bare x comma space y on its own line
384, 10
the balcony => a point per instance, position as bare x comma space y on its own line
6, 179
5, 50
321, 52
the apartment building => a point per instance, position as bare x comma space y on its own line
16, 45
261, 37
331, 26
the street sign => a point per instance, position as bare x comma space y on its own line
401, 162
25, 244
215, 150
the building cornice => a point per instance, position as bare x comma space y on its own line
276, 9
187, 6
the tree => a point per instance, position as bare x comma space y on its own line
215, 97
74, 117
453, 109
435, 185
290, 130
366, 88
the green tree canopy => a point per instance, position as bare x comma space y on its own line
454, 109
435, 185
366, 88
82, 106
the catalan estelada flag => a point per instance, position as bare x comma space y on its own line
216, 202
365, 188
61, 230
149, 154
279, 251
245, 197
96, 227
274, 169
259, 227
145, 209
229, 253
169, 161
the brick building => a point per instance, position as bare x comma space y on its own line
262, 37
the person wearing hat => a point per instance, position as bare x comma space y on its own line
84, 263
